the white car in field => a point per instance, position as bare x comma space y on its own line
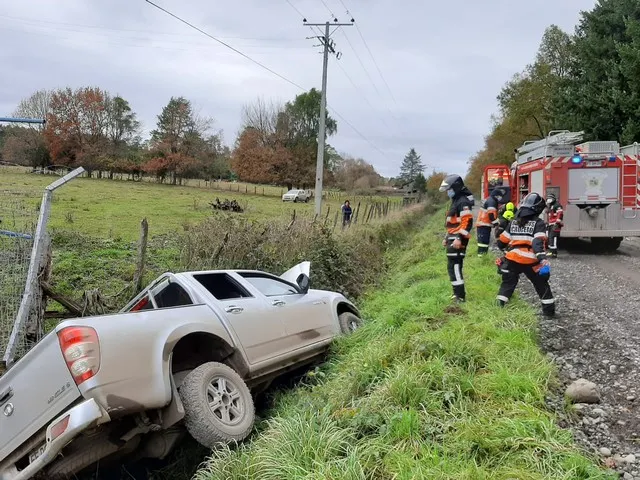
296, 196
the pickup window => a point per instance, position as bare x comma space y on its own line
172, 295
270, 286
222, 286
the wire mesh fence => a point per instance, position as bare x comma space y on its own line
17, 225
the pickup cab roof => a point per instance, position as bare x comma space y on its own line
187, 279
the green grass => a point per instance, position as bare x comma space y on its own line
424, 390
114, 209
95, 224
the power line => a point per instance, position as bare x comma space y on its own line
296, 9
327, 7
359, 90
101, 27
371, 54
225, 44
335, 112
375, 63
170, 47
366, 71
361, 63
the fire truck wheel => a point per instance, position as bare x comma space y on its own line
606, 244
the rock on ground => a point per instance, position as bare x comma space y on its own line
596, 336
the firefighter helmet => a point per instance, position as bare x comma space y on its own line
531, 204
453, 182
498, 193
510, 207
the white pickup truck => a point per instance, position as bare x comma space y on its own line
184, 356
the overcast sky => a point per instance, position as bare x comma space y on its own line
444, 62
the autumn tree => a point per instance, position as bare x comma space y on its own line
278, 144
432, 187
355, 173
526, 105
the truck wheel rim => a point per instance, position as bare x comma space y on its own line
225, 401
354, 325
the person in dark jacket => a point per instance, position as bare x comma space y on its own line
524, 241
346, 213
459, 223
487, 219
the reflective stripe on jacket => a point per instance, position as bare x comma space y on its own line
525, 244
488, 215
460, 218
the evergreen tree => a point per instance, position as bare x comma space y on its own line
601, 95
411, 166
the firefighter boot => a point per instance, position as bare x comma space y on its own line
549, 311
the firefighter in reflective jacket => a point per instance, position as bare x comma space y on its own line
524, 239
458, 224
555, 215
487, 219
505, 215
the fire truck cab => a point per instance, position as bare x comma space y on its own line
496, 176
597, 183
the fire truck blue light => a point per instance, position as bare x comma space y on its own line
576, 159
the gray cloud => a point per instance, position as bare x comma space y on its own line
444, 62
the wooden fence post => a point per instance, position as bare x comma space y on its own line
142, 253
355, 216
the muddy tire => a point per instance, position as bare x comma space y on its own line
218, 405
349, 322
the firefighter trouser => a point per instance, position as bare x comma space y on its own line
455, 261
511, 274
553, 241
484, 238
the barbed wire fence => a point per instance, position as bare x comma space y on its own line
17, 227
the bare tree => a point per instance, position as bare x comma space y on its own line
262, 117
36, 106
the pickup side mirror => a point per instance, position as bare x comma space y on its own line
303, 282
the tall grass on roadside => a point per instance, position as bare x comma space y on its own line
347, 261
342, 260
424, 390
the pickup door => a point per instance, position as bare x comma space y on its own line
33, 392
307, 317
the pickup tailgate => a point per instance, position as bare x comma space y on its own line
38, 387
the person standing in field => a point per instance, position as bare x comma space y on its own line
346, 213
458, 224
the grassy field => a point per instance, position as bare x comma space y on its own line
425, 390
113, 209
95, 224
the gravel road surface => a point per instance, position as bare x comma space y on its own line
596, 336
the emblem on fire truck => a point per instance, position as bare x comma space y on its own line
594, 182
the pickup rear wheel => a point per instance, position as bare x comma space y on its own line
349, 322
217, 404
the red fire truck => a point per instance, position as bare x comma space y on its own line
597, 184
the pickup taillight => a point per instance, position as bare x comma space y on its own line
81, 350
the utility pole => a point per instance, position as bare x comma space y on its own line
328, 47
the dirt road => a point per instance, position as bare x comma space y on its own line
596, 336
